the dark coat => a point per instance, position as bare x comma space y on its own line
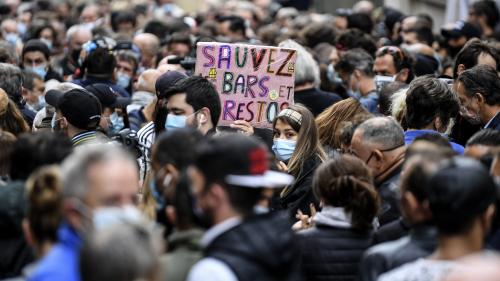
316, 100
387, 256
390, 204
330, 253
391, 231
262, 248
300, 195
494, 123
15, 253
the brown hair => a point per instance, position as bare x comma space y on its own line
336, 117
44, 189
348, 183
11, 119
307, 142
7, 141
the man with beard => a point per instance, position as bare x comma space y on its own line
478, 90
228, 178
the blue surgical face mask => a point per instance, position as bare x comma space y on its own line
123, 80
175, 122
21, 28
333, 76
40, 70
12, 38
116, 125
47, 42
39, 104
283, 149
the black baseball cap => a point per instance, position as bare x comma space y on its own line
460, 28
107, 96
78, 106
167, 80
238, 160
462, 188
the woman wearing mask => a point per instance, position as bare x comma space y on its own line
297, 147
333, 247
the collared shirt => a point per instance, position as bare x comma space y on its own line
494, 122
84, 138
211, 269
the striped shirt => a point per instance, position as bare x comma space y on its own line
84, 138
146, 138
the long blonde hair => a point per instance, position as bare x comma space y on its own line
307, 142
335, 118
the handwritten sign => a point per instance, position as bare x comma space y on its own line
254, 82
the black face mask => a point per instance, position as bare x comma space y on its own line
183, 195
453, 51
75, 55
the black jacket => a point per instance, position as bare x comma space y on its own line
15, 253
330, 253
387, 256
316, 100
262, 248
387, 190
391, 231
300, 194
51, 74
494, 123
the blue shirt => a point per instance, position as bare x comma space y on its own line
410, 136
62, 262
370, 101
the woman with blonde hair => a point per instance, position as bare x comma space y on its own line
297, 147
337, 117
11, 119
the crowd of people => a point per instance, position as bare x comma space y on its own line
113, 165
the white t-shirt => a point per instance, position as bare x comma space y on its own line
420, 270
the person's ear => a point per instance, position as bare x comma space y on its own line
217, 195
24, 92
378, 157
487, 218
460, 69
28, 235
480, 98
403, 75
203, 115
438, 124
71, 213
357, 73
171, 214
64, 123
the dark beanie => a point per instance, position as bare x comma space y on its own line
36, 45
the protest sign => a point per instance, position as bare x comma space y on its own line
254, 82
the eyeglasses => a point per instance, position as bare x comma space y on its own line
390, 50
382, 151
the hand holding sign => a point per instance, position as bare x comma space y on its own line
254, 82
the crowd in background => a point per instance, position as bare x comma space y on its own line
113, 166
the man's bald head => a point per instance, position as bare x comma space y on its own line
147, 80
150, 46
384, 132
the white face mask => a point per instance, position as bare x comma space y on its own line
106, 216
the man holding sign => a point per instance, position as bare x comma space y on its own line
254, 83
